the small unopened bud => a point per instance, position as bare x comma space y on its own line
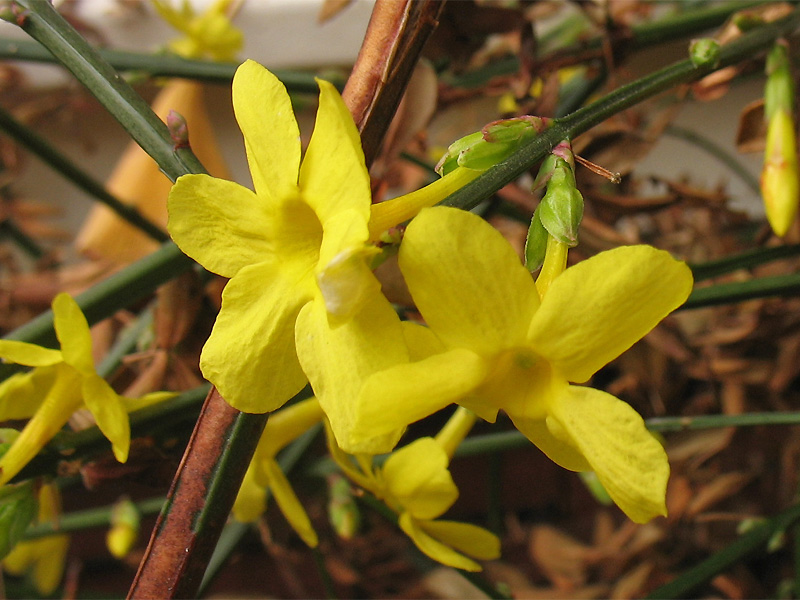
124, 529
178, 129
704, 52
779, 178
343, 511
561, 208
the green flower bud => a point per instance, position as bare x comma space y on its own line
779, 90
18, 507
343, 513
704, 52
124, 529
561, 209
535, 243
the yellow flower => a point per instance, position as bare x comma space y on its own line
62, 382
494, 345
44, 557
207, 35
264, 475
296, 251
415, 483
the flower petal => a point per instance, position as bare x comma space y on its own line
470, 539
339, 354
287, 424
73, 334
467, 281
289, 504
629, 462
250, 355
251, 501
560, 452
599, 308
434, 548
220, 224
333, 176
271, 136
407, 392
109, 413
31, 355
416, 476
23, 393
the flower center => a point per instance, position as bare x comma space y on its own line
297, 236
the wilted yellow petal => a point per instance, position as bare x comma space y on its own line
599, 308
271, 136
220, 224
467, 281
416, 476
250, 355
629, 462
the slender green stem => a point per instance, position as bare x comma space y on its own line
745, 260
9, 229
753, 540
43, 23
52, 157
165, 65
89, 519
623, 98
509, 440
125, 344
717, 152
728, 293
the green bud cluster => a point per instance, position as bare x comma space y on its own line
704, 52
494, 143
560, 212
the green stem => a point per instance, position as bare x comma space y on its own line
621, 99
43, 23
753, 540
717, 152
164, 65
52, 157
10, 229
745, 260
728, 293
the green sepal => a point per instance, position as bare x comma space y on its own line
779, 89
18, 508
343, 512
535, 243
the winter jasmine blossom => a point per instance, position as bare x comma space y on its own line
493, 344
265, 476
415, 483
62, 382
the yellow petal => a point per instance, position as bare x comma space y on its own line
467, 281
251, 501
134, 404
402, 394
599, 308
338, 355
434, 548
470, 539
250, 355
49, 569
289, 504
416, 476
61, 400
560, 452
109, 413
73, 334
628, 460
31, 355
271, 137
421, 341
220, 224
287, 424
23, 393
333, 176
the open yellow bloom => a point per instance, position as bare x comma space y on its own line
207, 35
44, 558
264, 475
62, 382
415, 483
296, 251
494, 345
